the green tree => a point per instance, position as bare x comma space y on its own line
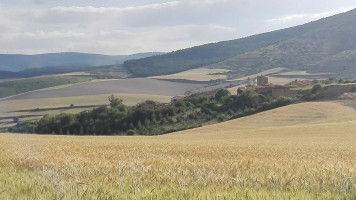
316, 88
222, 92
116, 103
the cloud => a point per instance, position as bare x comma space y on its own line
111, 42
101, 10
304, 17
162, 14
132, 26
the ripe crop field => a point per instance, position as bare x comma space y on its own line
265, 73
199, 74
301, 151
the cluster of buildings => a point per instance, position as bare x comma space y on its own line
263, 86
282, 90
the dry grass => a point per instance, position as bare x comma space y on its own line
300, 73
74, 74
129, 99
279, 80
200, 74
304, 151
265, 73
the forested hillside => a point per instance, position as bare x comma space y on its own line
302, 47
329, 48
198, 56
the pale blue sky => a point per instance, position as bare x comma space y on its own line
132, 26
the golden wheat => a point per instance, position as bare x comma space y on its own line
272, 155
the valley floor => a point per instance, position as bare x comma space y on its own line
301, 151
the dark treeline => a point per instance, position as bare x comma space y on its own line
152, 118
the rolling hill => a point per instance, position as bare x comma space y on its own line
291, 159
18, 62
306, 47
279, 121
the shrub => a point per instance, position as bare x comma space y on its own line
316, 88
353, 89
309, 97
222, 92
131, 132
222, 117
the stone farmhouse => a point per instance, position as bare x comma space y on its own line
287, 90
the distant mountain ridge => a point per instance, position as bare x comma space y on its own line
326, 45
19, 62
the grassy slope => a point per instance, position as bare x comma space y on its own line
296, 116
303, 151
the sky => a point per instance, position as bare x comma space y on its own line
121, 27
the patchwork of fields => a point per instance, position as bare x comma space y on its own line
84, 96
301, 151
133, 86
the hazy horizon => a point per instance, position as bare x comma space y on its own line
128, 27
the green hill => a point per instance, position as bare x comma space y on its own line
342, 64
19, 62
302, 47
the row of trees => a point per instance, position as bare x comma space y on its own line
150, 117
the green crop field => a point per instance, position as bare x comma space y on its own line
301, 151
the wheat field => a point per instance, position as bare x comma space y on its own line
199, 74
301, 151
